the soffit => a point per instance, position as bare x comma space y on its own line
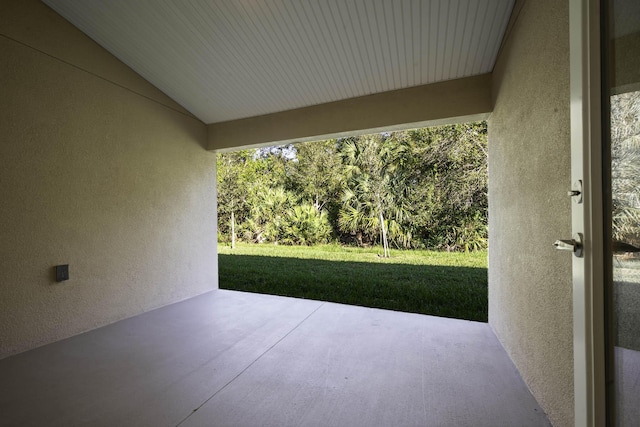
224, 60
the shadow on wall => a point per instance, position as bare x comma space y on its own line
459, 292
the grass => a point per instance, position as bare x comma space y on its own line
427, 282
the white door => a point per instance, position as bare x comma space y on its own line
605, 138
587, 213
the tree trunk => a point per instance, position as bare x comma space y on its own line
233, 231
385, 242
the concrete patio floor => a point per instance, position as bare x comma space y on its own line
236, 359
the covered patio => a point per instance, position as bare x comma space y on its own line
111, 117
229, 358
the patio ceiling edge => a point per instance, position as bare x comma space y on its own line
451, 101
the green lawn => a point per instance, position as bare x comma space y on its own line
437, 283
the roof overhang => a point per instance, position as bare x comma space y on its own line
466, 99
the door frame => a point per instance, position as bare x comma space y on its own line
587, 217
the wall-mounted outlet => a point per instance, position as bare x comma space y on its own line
62, 272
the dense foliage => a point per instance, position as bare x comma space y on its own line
423, 188
625, 167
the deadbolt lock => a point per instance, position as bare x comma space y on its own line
576, 191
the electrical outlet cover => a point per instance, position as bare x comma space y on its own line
62, 272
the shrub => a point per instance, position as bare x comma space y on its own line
305, 225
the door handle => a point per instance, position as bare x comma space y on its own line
574, 245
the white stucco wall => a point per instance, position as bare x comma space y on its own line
530, 288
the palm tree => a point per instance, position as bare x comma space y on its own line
370, 204
625, 166
268, 215
305, 225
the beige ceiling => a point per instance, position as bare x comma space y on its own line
225, 60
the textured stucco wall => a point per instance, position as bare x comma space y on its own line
530, 287
100, 170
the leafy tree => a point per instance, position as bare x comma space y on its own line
419, 188
233, 177
316, 173
272, 164
447, 185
